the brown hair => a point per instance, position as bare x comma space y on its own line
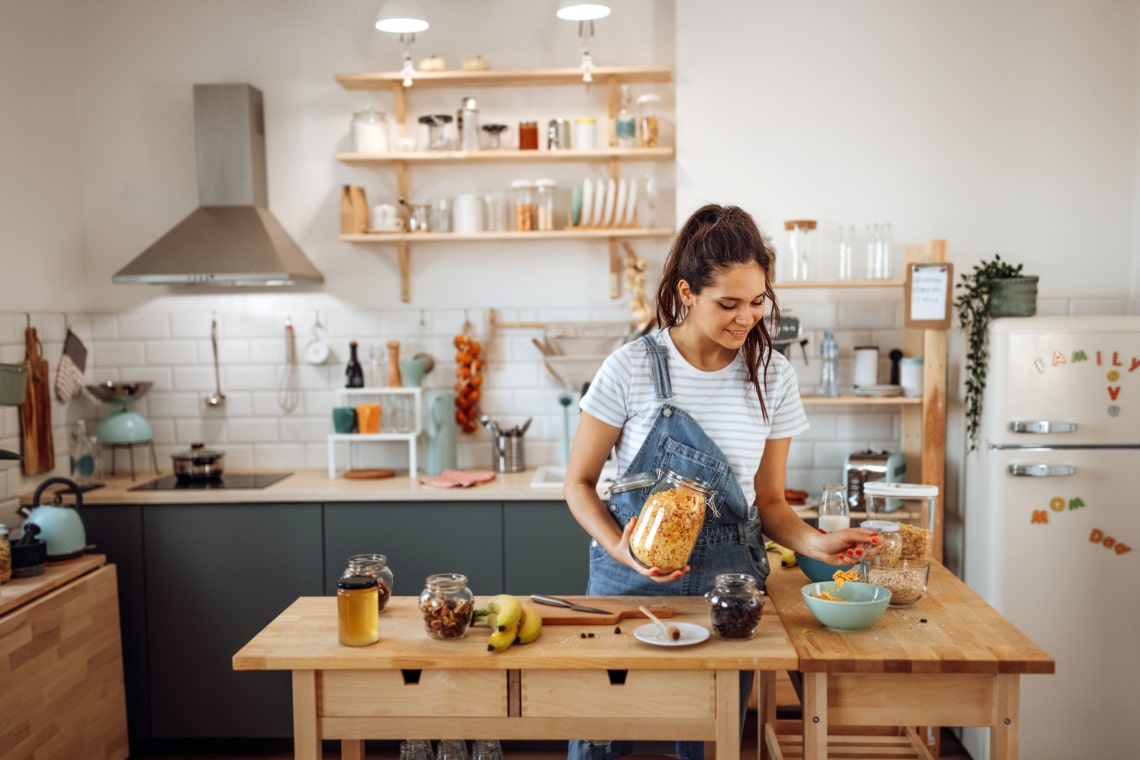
714, 239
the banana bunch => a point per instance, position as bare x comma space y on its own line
787, 556
512, 621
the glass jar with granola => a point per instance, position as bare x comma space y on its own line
447, 605
670, 520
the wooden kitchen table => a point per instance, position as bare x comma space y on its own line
951, 660
575, 682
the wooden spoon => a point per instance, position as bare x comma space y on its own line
672, 632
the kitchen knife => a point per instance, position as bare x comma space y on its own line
554, 601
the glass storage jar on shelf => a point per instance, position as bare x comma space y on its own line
648, 120
735, 604
670, 519
544, 191
522, 199
375, 565
447, 605
370, 131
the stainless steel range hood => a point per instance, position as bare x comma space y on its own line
232, 238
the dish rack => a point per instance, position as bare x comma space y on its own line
340, 443
574, 351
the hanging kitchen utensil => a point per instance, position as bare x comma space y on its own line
217, 398
35, 412
316, 349
69, 373
290, 395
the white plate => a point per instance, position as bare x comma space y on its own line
619, 206
878, 390
611, 193
691, 633
631, 203
599, 203
584, 219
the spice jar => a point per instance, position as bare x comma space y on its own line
375, 565
648, 107
670, 520
528, 135
5, 555
735, 604
357, 612
544, 204
890, 541
522, 198
369, 131
585, 133
447, 605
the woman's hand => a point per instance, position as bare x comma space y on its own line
844, 547
622, 554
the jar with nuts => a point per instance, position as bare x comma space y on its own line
375, 565
447, 606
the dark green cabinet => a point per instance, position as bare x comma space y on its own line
547, 552
215, 576
419, 539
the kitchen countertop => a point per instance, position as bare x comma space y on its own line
20, 591
314, 485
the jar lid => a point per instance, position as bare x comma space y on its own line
522, 183
585, 120
545, 183
911, 360
357, 582
684, 480
633, 481
648, 98
880, 526
807, 224
898, 490
371, 114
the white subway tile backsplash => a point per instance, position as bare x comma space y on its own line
117, 353
171, 352
143, 325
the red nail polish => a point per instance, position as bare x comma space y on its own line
821, 530
654, 571
875, 540
874, 534
858, 552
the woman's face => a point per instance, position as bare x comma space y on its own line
729, 306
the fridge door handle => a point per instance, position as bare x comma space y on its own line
1042, 470
1042, 426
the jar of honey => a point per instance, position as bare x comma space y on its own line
357, 610
670, 520
528, 135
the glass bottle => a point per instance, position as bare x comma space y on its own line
876, 268
5, 555
353, 372
735, 604
829, 366
833, 511
358, 615
375, 565
447, 606
625, 126
468, 124
452, 749
81, 454
801, 249
670, 520
544, 190
416, 749
886, 251
846, 269
647, 120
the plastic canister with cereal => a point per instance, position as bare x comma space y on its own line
670, 520
912, 506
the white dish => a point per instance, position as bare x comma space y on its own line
587, 204
691, 633
619, 206
878, 390
599, 202
631, 204
611, 194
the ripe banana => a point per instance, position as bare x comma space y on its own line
787, 556
507, 610
530, 626
502, 638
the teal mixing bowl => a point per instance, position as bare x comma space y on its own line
865, 604
818, 570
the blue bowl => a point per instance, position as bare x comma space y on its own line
865, 604
818, 570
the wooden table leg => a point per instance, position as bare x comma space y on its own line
1004, 729
351, 749
306, 733
765, 708
815, 716
727, 715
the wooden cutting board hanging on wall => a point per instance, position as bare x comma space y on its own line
35, 412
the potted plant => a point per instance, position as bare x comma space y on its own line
994, 288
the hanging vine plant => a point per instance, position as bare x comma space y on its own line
994, 288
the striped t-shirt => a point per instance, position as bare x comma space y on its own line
723, 402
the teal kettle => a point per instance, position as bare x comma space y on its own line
61, 527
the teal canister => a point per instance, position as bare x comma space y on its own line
442, 433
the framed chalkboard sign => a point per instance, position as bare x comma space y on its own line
929, 290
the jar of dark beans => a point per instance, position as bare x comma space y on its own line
375, 565
447, 605
735, 604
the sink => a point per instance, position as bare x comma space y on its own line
551, 476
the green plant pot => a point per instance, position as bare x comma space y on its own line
1013, 297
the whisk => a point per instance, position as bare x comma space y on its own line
290, 395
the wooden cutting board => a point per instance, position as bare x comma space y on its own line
618, 611
372, 474
35, 412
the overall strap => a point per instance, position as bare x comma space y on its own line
659, 368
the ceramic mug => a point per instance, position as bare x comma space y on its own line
412, 372
344, 419
368, 418
386, 218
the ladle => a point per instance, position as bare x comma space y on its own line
217, 398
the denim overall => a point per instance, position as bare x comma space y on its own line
728, 543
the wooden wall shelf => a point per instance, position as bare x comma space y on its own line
508, 156
519, 78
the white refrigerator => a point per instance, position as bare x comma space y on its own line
1052, 526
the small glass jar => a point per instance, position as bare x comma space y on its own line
585, 133
83, 454
834, 513
5, 555
735, 605
670, 519
447, 605
375, 565
369, 131
528, 135
648, 110
358, 614
544, 190
522, 200
912, 506
890, 541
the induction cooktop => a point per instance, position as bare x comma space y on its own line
226, 482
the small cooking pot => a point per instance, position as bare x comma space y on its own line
198, 464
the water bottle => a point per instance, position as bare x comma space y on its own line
829, 366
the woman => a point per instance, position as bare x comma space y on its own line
706, 396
